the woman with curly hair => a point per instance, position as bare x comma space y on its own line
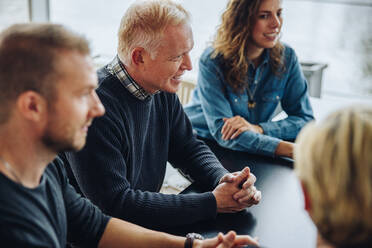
243, 77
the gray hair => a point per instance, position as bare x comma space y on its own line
144, 23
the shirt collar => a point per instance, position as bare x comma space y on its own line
117, 69
265, 59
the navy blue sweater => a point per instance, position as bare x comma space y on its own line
122, 166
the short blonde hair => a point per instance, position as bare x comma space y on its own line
144, 23
333, 160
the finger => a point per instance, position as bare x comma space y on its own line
250, 181
242, 176
257, 197
227, 128
236, 134
246, 198
220, 237
223, 130
228, 240
213, 242
230, 132
254, 200
227, 178
243, 193
245, 240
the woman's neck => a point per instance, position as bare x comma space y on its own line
255, 54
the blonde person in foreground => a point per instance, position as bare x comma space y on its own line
47, 102
333, 160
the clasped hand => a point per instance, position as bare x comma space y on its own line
236, 191
234, 126
226, 241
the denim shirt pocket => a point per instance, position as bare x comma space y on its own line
269, 101
271, 96
238, 103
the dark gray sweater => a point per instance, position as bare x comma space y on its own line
123, 164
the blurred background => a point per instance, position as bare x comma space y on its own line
334, 34
332, 38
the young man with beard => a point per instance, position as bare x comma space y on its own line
47, 102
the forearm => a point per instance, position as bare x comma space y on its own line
191, 155
285, 148
249, 141
120, 233
198, 161
286, 129
157, 211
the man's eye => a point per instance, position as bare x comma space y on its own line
178, 58
87, 93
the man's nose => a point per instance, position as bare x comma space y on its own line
186, 63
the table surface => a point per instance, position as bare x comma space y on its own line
279, 220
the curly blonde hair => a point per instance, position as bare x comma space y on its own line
232, 39
333, 160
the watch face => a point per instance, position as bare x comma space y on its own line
195, 236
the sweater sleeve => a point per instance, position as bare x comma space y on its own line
101, 171
191, 155
86, 222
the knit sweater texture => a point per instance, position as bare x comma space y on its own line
122, 167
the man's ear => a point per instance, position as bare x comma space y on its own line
32, 105
137, 55
306, 198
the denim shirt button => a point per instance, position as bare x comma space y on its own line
236, 100
277, 97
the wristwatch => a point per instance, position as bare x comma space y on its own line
190, 237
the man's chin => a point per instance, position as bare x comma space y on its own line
175, 85
67, 147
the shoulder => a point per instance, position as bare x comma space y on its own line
56, 171
207, 53
289, 54
208, 58
104, 75
210, 65
109, 86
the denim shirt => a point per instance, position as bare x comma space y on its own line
213, 99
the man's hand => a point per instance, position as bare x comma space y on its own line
248, 194
234, 126
236, 192
226, 241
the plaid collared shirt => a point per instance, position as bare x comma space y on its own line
117, 69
